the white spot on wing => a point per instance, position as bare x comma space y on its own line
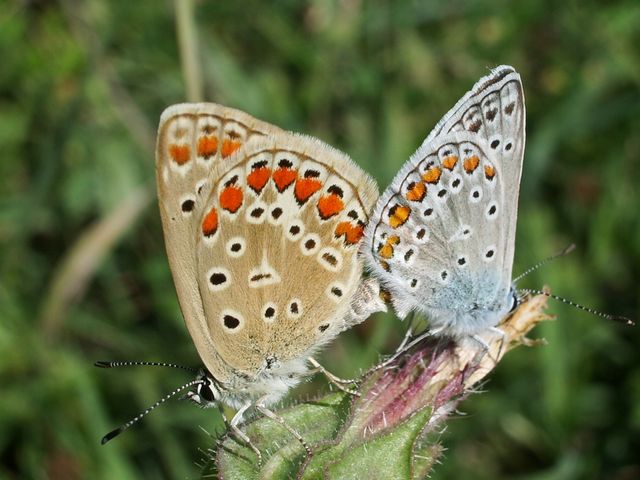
294, 230
256, 213
236, 247
464, 232
335, 292
489, 254
310, 244
475, 195
263, 275
330, 259
218, 279
491, 212
231, 320
294, 308
455, 183
269, 312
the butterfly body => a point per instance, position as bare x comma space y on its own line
262, 228
442, 236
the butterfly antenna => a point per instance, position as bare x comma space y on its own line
615, 318
114, 433
102, 364
564, 252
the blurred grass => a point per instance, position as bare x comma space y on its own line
82, 85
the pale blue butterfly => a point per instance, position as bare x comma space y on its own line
442, 236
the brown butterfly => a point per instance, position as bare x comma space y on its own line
262, 229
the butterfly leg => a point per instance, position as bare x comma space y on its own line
406, 345
503, 340
337, 381
405, 340
277, 418
233, 425
486, 348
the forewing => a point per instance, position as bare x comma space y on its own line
436, 238
494, 109
276, 250
491, 117
192, 140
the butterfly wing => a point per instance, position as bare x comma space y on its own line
276, 250
494, 109
192, 140
441, 237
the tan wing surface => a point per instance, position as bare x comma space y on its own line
277, 261
192, 140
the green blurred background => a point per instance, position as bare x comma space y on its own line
83, 269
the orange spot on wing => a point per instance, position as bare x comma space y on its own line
386, 250
283, 177
180, 154
258, 178
231, 198
305, 187
471, 163
416, 192
352, 233
207, 146
330, 205
432, 175
210, 223
449, 162
398, 215
489, 172
228, 147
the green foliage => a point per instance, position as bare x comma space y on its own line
343, 441
82, 84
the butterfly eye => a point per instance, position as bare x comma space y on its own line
206, 392
514, 302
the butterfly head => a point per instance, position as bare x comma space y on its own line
206, 392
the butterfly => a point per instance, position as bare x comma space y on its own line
262, 229
441, 238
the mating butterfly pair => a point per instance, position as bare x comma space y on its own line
268, 233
